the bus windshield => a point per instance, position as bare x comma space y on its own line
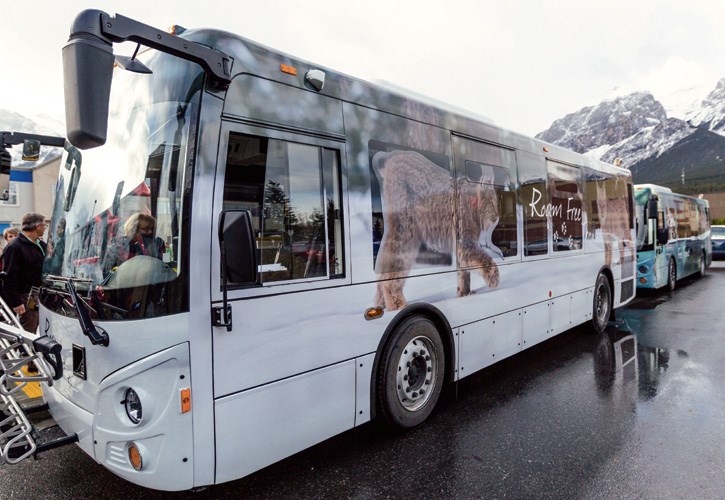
117, 228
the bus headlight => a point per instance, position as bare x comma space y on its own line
133, 406
643, 269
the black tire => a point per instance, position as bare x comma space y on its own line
411, 374
671, 276
703, 265
602, 304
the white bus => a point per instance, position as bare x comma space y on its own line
266, 253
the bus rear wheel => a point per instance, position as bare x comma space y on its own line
703, 265
602, 306
671, 275
411, 374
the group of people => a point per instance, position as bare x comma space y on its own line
25, 255
22, 263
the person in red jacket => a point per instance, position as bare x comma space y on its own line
23, 264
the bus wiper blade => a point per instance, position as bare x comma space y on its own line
89, 329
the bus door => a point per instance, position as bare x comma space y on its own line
287, 344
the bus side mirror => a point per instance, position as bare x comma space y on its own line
5, 162
87, 72
237, 245
652, 208
663, 236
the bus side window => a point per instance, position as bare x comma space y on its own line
566, 206
503, 236
534, 198
661, 220
294, 194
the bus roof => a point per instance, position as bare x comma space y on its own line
654, 188
642, 189
256, 59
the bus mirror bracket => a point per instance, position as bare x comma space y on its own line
238, 259
88, 62
31, 151
5, 163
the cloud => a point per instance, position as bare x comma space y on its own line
522, 63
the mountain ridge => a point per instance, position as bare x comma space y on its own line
636, 129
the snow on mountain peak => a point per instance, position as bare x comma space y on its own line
711, 113
638, 129
607, 123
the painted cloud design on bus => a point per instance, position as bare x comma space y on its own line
418, 200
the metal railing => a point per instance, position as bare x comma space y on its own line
20, 364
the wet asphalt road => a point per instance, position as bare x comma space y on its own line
636, 413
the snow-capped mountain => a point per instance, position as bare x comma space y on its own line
711, 113
636, 129
607, 123
10, 121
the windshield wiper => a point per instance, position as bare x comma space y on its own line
89, 329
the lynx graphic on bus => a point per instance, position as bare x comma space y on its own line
329, 252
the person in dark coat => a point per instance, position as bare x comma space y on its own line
9, 235
23, 262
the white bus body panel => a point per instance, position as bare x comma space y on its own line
91, 407
260, 426
164, 435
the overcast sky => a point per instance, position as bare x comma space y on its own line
521, 63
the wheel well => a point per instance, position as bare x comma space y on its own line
444, 329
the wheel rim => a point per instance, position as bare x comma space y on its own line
702, 266
416, 375
602, 310
672, 275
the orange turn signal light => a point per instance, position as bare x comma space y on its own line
185, 400
290, 70
134, 456
374, 313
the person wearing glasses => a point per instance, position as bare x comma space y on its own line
23, 262
139, 230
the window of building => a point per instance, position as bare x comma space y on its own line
14, 199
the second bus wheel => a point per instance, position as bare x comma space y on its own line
411, 374
602, 306
671, 275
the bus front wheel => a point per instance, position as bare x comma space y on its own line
703, 265
671, 276
411, 374
602, 307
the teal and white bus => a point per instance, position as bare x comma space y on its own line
673, 236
